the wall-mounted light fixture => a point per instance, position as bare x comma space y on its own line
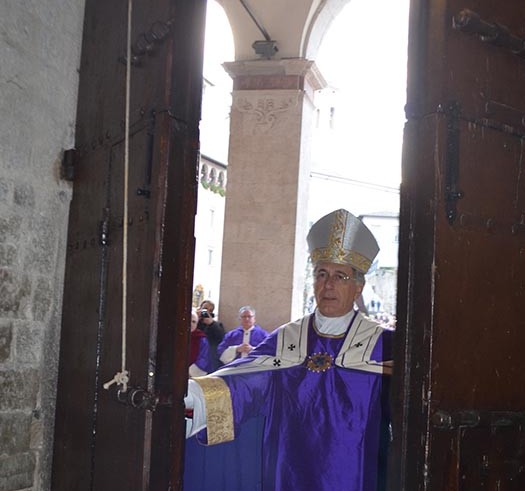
265, 48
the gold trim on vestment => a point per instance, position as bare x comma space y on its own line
219, 412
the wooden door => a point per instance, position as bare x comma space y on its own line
109, 439
459, 391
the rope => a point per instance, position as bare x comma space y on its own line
122, 377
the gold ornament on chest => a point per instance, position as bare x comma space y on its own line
319, 362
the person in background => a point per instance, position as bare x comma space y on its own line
199, 356
214, 331
320, 382
240, 341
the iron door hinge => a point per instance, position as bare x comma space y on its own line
470, 22
67, 168
452, 192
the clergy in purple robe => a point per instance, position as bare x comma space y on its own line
317, 381
199, 351
239, 342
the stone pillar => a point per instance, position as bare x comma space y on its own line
264, 250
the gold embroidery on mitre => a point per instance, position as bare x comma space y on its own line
334, 252
341, 256
219, 412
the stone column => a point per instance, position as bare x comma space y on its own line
264, 250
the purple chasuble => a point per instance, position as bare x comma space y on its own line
322, 421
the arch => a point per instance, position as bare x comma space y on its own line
288, 23
318, 24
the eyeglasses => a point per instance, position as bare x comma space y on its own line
246, 316
337, 278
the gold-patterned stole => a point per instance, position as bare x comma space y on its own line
219, 412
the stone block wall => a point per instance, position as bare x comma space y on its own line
40, 44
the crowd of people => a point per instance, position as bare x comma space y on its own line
385, 319
320, 383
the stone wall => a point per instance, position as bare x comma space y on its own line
40, 52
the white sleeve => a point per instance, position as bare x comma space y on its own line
229, 354
195, 371
195, 400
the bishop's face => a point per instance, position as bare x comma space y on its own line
335, 288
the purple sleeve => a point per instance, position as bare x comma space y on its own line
202, 360
249, 390
230, 339
249, 394
258, 336
249, 398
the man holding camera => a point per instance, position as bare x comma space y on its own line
214, 331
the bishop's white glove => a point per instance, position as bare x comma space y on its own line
195, 400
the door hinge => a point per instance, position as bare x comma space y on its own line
518, 228
470, 22
452, 192
471, 418
67, 168
146, 42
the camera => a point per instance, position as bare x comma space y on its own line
205, 314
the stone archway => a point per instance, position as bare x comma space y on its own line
263, 260
270, 152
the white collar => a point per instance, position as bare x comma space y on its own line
332, 325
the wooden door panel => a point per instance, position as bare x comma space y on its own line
476, 63
122, 439
73, 441
461, 268
490, 459
477, 259
111, 439
486, 456
141, 273
449, 63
